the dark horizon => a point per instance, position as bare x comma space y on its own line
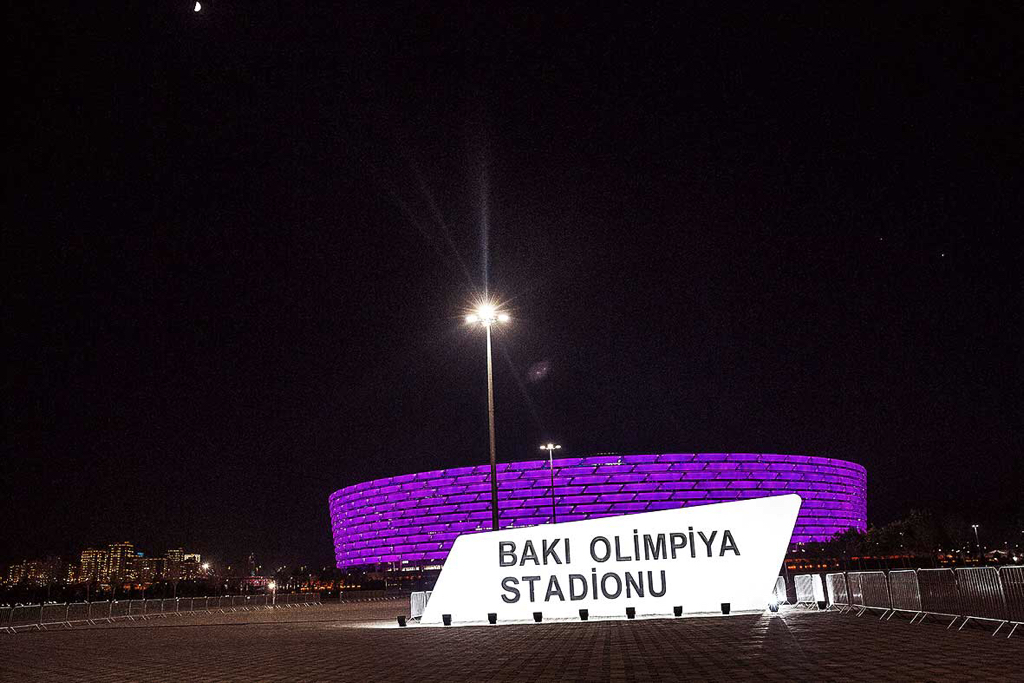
240, 244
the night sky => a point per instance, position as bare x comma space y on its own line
239, 245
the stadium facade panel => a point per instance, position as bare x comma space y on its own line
417, 517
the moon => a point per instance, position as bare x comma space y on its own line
198, 7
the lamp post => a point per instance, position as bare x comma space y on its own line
551, 448
273, 593
976, 541
487, 314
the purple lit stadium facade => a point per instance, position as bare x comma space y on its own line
415, 518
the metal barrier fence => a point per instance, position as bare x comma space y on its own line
968, 593
838, 593
873, 592
1012, 579
804, 584
780, 591
981, 594
905, 593
366, 596
853, 580
939, 595
67, 615
418, 603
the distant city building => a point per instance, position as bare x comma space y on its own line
119, 555
15, 573
192, 557
38, 572
93, 565
147, 569
172, 571
190, 568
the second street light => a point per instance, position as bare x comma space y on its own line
551, 448
486, 315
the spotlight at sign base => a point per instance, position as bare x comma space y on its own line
677, 610
538, 616
492, 617
401, 621
446, 619
773, 607
584, 614
726, 607
631, 612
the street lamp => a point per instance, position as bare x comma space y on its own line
273, 592
976, 541
551, 448
487, 314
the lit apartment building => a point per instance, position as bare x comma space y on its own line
93, 565
147, 569
119, 556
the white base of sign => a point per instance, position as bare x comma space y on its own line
698, 558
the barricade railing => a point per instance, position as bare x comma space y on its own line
119, 609
1012, 580
67, 615
364, 596
871, 592
78, 613
779, 592
54, 615
136, 608
939, 594
804, 584
25, 615
856, 592
838, 593
99, 611
905, 593
981, 595
417, 604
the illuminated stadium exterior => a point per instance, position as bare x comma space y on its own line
415, 518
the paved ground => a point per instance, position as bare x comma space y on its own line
348, 643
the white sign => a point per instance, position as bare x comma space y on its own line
696, 558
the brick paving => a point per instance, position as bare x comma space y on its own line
348, 643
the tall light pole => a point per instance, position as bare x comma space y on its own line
487, 314
976, 541
551, 448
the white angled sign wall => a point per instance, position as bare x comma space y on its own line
697, 558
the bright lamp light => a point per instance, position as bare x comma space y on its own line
487, 314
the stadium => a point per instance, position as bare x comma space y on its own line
413, 519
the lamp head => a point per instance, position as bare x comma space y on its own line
486, 314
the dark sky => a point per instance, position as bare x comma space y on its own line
239, 245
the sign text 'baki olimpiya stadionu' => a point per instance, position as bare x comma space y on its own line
415, 518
